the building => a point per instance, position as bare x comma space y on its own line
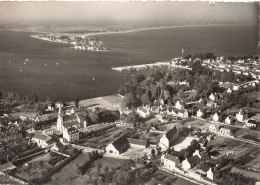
215, 117
76, 120
213, 128
42, 141
170, 162
210, 174
168, 138
200, 114
183, 113
171, 112
225, 132
179, 105
228, 120
251, 123
71, 135
191, 162
137, 143
229, 90
197, 152
212, 97
240, 116
144, 113
118, 146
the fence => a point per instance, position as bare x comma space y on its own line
56, 168
13, 178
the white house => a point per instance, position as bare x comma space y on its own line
240, 116
215, 117
118, 146
212, 97
42, 141
170, 162
251, 123
235, 87
229, 90
168, 138
213, 128
71, 135
183, 113
210, 174
225, 132
197, 152
144, 113
228, 120
191, 162
179, 105
200, 113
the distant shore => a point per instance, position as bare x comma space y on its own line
154, 28
116, 32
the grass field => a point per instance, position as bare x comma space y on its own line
6, 180
70, 174
254, 94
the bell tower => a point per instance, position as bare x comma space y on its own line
60, 119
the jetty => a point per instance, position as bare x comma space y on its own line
146, 66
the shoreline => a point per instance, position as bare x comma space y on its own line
120, 32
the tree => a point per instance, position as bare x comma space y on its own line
153, 152
158, 76
34, 97
76, 101
181, 93
133, 117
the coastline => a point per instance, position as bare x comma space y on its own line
119, 32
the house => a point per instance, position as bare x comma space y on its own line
183, 113
124, 110
251, 123
213, 128
42, 141
200, 113
210, 174
228, 120
144, 113
229, 90
197, 152
191, 162
212, 97
70, 111
42, 118
51, 107
225, 132
240, 116
168, 138
137, 143
118, 146
235, 87
215, 117
179, 105
170, 162
71, 135
171, 112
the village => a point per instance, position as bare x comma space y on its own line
199, 124
79, 43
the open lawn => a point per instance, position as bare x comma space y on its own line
25, 114
183, 143
254, 94
70, 174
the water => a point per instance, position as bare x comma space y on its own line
60, 72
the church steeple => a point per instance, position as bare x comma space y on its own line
60, 119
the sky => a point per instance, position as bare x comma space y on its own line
128, 11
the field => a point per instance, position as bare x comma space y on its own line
255, 94
25, 114
70, 174
183, 143
38, 167
152, 137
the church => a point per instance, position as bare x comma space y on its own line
76, 120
